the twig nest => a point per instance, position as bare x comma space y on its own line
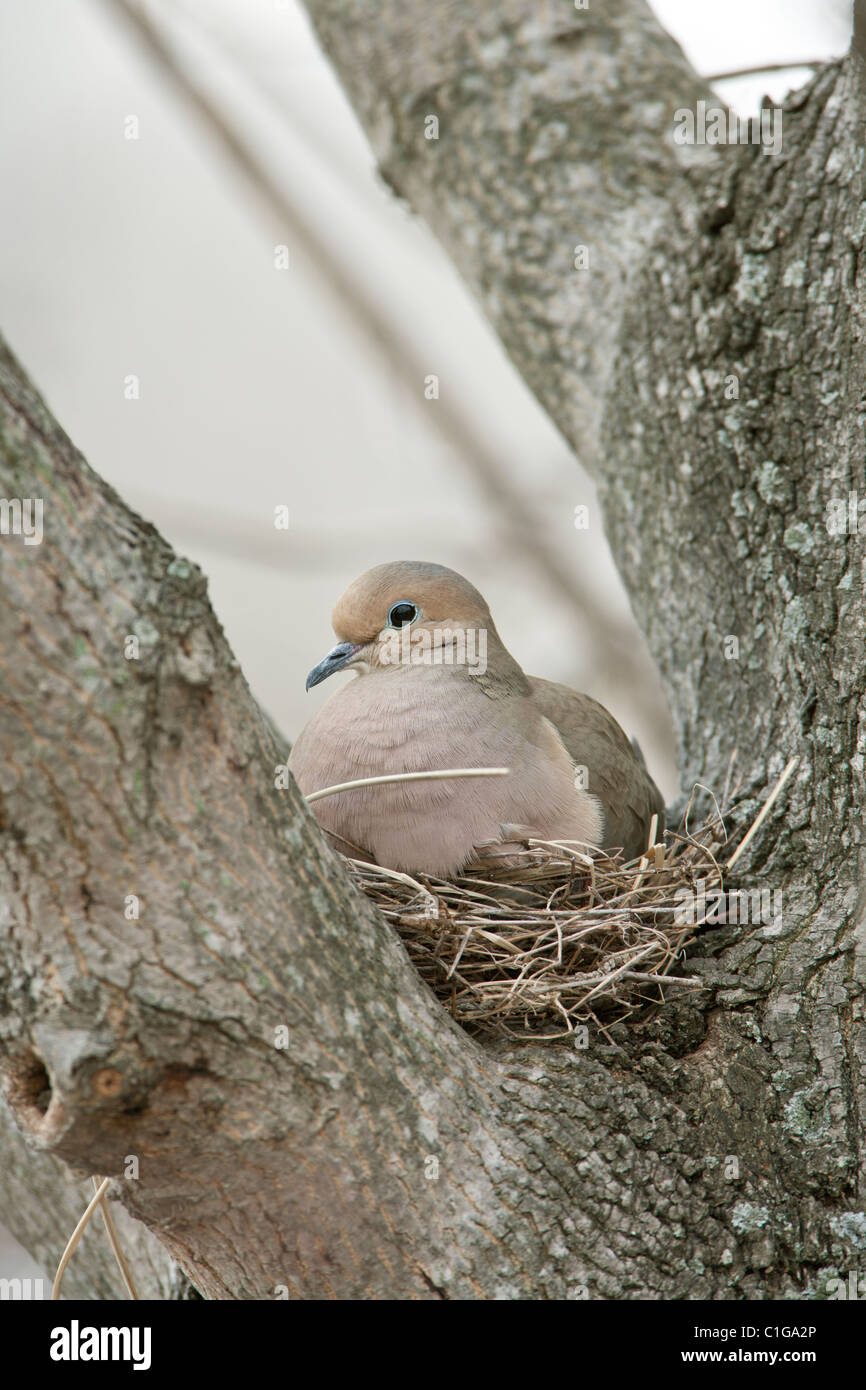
557, 936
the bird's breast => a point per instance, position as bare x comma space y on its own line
383, 724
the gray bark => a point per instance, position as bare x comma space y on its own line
44, 1203
560, 1173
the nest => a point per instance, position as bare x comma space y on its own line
562, 937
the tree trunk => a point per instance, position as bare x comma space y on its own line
709, 364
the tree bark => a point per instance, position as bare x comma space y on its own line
713, 1153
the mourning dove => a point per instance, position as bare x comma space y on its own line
436, 689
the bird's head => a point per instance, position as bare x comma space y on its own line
407, 613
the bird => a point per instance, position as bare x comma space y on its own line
435, 688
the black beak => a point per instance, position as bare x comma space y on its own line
336, 659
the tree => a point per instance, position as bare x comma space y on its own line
692, 318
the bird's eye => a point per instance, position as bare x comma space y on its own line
399, 614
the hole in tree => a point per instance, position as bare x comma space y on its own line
29, 1085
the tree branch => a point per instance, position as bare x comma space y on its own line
554, 132
154, 1039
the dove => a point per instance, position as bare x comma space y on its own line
435, 688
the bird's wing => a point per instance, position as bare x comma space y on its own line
617, 773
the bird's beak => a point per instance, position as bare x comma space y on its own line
338, 658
